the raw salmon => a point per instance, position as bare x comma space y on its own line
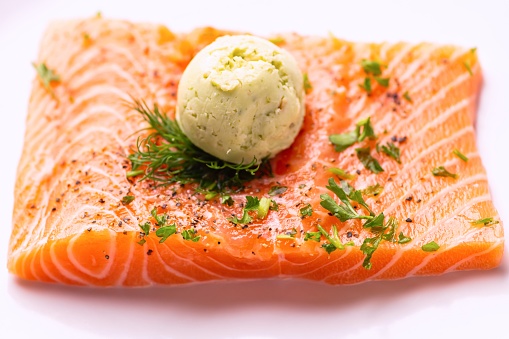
70, 225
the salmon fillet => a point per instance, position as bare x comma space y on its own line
70, 225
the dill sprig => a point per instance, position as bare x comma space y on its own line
168, 156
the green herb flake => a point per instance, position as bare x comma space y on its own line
334, 241
273, 205
226, 200
160, 218
277, 190
460, 155
190, 235
391, 150
126, 200
145, 228
46, 75
384, 82
430, 247
288, 235
344, 140
407, 97
165, 232
373, 190
368, 247
368, 161
246, 219
341, 173
263, 207
142, 242
442, 172
366, 85
307, 85
252, 203
314, 236
402, 239
484, 222
371, 67
367, 129
467, 66
306, 211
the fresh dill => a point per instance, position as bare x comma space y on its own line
167, 156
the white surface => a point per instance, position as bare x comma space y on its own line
459, 305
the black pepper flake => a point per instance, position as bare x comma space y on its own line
119, 223
94, 221
358, 172
402, 139
219, 243
394, 138
53, 209
89, 229
178, 204
253, 253
389, 179
164, 206
78, 182
107, 257
57, 199
348, 234
149, 252
204, 250
102, 201
409, 198
408, 220
418, 200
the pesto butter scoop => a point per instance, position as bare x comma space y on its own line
241, 98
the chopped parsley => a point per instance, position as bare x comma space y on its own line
460, 155
226, 200
307, 85
384, 82
126, 200
371, 67
165, 232
484, 222
407, 97
145, 228
403, 239
391, 150
260, 206
334, 241
314, 236
341, 173
442, 172
363, 130
288, 235
368, 161
190, 235
467, 66
366, 85
383, 231
306, 211
373, 190
277, 190
46, 75
430, 247
246, 219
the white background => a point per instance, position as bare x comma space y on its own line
458, 305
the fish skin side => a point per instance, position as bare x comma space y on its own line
70, 227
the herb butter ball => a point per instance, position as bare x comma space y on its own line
241, 98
